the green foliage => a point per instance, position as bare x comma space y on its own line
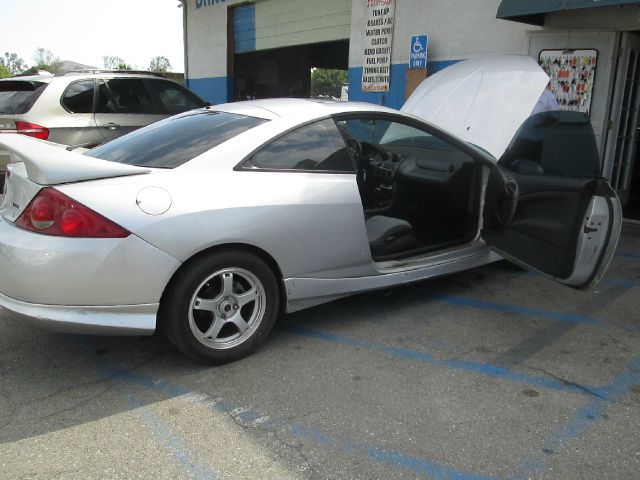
115, 63
46, 60
160, 64
111, 62
327, 82
4, 72
13, 63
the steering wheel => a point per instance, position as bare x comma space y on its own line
354, 147
507, 207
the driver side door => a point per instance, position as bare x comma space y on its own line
547, 207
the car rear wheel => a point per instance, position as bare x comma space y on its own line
220, 307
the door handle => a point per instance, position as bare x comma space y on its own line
111, 126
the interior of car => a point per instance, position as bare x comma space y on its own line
419, 193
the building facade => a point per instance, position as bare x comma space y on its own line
236, 50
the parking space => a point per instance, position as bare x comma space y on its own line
491, 373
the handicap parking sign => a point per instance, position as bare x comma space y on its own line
418, 52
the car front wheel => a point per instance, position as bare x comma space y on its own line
221, 306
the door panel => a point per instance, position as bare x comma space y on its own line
543, 232
566, 220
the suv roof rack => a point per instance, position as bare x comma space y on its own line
39, 73
106, 70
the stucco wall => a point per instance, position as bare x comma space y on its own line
206, 48
620, 18
457, 29
274, 24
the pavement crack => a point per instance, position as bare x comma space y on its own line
298, 448
568, 383
79, 403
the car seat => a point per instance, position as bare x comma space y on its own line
388, 236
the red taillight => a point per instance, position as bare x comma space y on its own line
32, 130
53, 213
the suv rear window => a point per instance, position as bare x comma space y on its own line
18, 96
173, 141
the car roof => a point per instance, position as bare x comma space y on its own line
101, 72
43, 76
47, 77
273, 108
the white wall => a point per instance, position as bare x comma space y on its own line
457, 29
206, 39
621, 18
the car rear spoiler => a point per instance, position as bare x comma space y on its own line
51, 164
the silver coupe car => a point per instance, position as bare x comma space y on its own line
211, 223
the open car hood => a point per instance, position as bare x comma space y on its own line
483, 100
51, 164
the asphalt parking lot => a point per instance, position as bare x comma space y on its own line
491, 373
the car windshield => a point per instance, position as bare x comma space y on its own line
171, 142
18, 96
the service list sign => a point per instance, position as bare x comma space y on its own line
378, 34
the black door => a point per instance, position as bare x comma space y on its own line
546, 205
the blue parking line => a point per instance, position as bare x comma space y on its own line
633, 255
419, 466
485, 369
406, 462
614, 282
584, 418
620, 283
172, 442
515, 309
176, 445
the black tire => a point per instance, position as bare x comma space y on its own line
206, 296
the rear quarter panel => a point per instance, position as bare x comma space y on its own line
312, 224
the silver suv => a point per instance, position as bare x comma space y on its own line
88, 107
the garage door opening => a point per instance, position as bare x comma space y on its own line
285, 72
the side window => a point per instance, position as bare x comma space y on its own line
78, 98
557, 143
105, 103
129, 95
389, 133
172, 98
318, 146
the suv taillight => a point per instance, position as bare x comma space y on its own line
53, 213
32, 130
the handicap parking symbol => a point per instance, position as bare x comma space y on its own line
418, 52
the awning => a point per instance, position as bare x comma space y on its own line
532, 11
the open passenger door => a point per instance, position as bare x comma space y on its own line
547, 207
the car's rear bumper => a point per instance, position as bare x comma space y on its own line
50, 270
93, 320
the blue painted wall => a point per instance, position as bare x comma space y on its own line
219, 89
394, 98
214, 89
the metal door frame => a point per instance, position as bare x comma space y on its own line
624, 118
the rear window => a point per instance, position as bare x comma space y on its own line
171, 142
17, 97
